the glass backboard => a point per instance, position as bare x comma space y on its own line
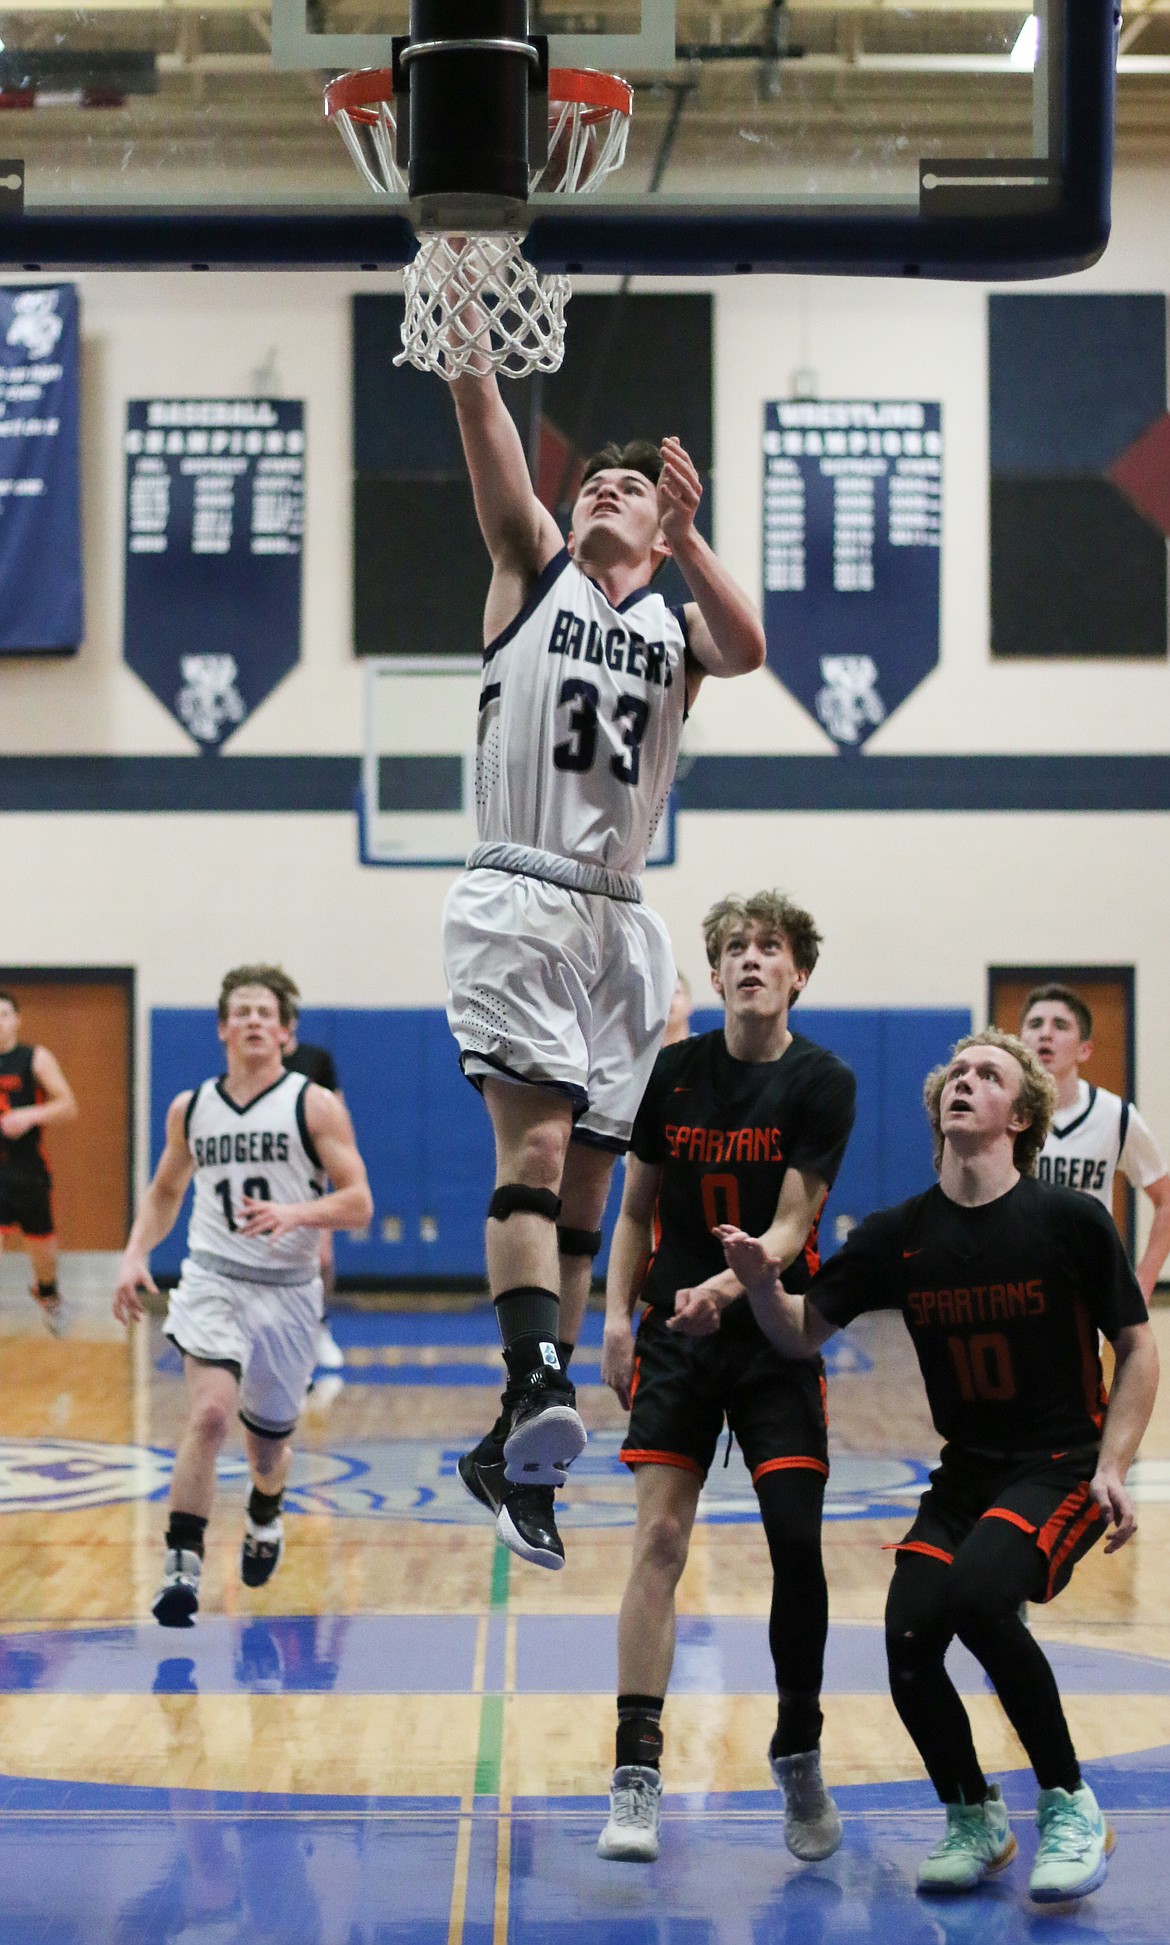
952, 137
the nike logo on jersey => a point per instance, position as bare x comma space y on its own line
911, 1252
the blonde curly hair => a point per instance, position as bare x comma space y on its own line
1036, 1098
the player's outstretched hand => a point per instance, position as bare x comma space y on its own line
747, 1258
617, 1363
679, 491
133, 1277
697, 1312
1116, 1502
270, 1219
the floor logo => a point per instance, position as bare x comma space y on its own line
58, 1475
416, 1479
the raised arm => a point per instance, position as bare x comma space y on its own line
726, 634
697, 1311
1131, 1400
791, 1323
520, 534
629, 1258
157, 1213
349, 1204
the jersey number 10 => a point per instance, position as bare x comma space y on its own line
256, 1187
983, 1366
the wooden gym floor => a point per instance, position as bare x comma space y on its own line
408, 1734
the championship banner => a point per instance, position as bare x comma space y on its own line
852, 519
41, 610
214, 524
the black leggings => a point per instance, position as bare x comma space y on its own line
978, 1598
791, 1500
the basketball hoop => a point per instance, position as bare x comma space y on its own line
475, 303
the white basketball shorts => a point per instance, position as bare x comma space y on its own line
269, 1330
560, 988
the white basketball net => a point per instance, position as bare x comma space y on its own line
475, 304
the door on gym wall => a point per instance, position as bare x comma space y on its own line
1108, 993
86, 1018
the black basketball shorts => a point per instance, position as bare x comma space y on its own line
685, 1387
25, 1204
1044, 1495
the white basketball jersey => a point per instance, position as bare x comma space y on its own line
580, 716
264, 1150
1094, 1138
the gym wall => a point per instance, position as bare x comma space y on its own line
914, 904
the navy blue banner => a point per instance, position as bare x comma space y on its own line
40, 512
214, 524
852, 517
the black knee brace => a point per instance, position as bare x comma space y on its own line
577, 1242
516, 1197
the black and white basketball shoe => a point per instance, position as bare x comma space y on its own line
525, 1519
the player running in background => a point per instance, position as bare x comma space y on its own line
1003, 1283
1094, 1133
259, 1143
33, 1095
560, 978
747, 1124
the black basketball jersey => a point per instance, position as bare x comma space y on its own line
316, 1062
19, 1089
1003, 1304
725, 1132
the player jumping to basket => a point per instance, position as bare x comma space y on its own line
560, 978
259, 1143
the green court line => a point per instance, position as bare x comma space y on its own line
491, 1714
501, 1567
491, 1746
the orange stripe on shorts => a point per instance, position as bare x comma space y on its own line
1015, 1519
786, 1465
919, 1546
632, 1458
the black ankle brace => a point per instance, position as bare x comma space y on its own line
263, 1508
185, 1533
639, 1730
528, 1354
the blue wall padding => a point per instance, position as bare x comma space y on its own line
427, 1145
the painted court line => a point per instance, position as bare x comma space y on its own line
488, 1758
